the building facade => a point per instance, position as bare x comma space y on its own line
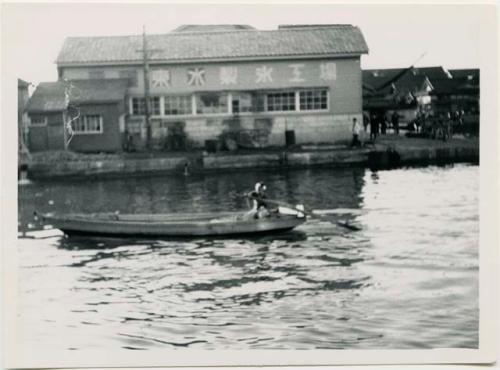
235, 84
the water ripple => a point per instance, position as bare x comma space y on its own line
407, 279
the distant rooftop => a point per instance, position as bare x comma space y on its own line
288, 26
193, 43
212, 27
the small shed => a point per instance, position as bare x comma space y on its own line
97, 107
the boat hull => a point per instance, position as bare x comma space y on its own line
180, 225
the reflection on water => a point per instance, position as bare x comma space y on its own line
407, 279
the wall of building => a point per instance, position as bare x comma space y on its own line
110, 139
49, 136
341, 77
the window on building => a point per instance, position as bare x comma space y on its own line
38, 120
209, 103
244, 102
316, 99
96, 74
88, 124
281, 101
176, 105
130, 74
138, 106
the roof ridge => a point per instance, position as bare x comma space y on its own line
173, 33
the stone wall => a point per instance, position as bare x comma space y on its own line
265, 130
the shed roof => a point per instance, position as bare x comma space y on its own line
47, 97
50, 96
217, 45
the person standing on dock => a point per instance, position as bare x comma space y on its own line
383, 124
373, 126
395, 122
366, 121
356, 129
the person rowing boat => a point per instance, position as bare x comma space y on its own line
259, 205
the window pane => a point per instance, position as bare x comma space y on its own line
316, 99
138, 106
88, 124
247, 102
282, 101
176, 105
154, 105
209, 103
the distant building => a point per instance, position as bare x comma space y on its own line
409, 91
22, 115
258, 87
403, 90
459, 93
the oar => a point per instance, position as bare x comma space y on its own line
314, 212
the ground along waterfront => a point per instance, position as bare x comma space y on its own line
407, 279
387, 151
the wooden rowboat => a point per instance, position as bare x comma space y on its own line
174, 225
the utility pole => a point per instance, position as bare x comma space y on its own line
147, 103
145, 64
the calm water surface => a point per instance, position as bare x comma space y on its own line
407, 279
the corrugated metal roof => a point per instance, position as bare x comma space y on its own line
50, 96
193, 46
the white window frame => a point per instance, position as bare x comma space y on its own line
327, 109
85, 123
152, 114
189, 99
281, 92
229, 111
32, 124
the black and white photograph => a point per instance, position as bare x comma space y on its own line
249, 184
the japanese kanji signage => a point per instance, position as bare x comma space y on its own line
263, 74
196, 77
160, 78
228, 75
328, 71
244, 75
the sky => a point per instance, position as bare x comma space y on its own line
397, 35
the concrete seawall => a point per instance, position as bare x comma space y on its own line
386, 153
